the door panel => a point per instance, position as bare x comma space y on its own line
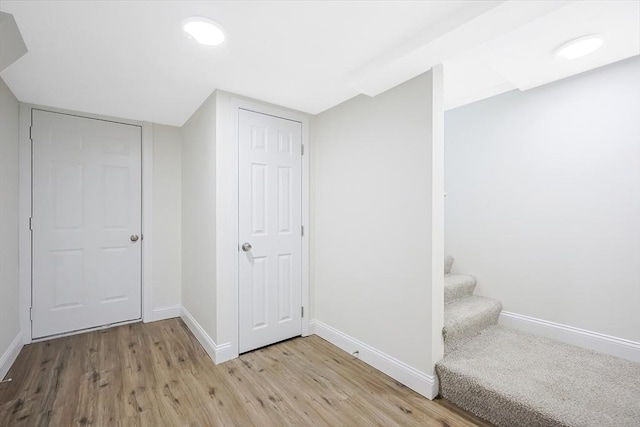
86, 192
270, 202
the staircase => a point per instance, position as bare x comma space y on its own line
465, 314
511, 378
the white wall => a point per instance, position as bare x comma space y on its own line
9, 243
167, 220
226, 228
543, 199
199, 216
371, 214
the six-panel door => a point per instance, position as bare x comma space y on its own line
270, 220
86, 269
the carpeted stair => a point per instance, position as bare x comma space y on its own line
465, 315
511, 378
458, 286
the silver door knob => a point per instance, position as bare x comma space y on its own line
246, 247
134, 237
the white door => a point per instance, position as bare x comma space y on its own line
270, 225
86, 217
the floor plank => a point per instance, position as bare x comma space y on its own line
157, 374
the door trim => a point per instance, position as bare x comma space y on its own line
25, 211
227, 227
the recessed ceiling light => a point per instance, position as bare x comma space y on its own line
580, 47
203, 30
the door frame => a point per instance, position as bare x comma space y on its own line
26, 209
227, 157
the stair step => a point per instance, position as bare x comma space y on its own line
457, 286
448, 263
511, 378
467, 317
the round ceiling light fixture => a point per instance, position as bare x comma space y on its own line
204, 30
580, 47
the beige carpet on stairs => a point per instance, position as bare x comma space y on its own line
512, 379
515, 379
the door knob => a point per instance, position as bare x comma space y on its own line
134, 237
246, 247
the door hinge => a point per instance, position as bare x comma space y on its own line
31, 133
302, 150
31, 223
31, 313
302, 230
302, 311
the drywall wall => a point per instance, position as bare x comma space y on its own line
543, 199
371, 220
9, 205
226, 229
199, 216
437, 215
167, 219
12, 45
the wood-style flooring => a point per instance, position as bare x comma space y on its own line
157, 374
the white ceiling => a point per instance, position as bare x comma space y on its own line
523, 57
130, 59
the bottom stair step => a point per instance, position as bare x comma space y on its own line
511, 378
466, 318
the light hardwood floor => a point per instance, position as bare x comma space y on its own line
157, 374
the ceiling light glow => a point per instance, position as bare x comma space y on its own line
580, 47
204, 31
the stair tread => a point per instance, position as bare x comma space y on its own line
457, 286
511, 378
457, 278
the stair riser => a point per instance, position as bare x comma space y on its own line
487, 404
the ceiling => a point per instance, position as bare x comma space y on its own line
130, 59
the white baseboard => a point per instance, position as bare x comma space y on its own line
618, 347
10, 355
218, 353
169, 312
418, 381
